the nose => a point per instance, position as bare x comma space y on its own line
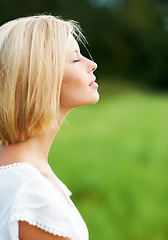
93, 66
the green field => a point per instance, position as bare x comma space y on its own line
113, 156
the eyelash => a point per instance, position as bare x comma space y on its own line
77, 60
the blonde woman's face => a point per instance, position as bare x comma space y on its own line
78, 87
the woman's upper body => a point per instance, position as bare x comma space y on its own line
42, 77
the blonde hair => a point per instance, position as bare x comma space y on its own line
32, 59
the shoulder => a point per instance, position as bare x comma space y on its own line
39, 207
31, 203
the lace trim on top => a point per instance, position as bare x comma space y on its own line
42, 226
4, 167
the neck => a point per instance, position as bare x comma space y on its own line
34, 151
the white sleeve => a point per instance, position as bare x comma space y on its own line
41, 205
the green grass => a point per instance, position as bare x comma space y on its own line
113, 156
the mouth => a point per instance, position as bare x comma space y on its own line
93, 84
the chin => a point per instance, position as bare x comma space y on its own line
93, 100
96, 99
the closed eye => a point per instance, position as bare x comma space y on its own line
76, 60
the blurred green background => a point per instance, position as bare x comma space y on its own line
113, 156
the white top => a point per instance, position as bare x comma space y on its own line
26, 195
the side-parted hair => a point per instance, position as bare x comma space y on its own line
32, 59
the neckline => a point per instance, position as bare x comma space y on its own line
16, 164
66, 192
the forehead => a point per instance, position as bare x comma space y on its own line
72, 45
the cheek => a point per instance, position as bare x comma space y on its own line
74, 76
72, 91
73, 83
67, 91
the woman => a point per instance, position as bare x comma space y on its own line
42, 77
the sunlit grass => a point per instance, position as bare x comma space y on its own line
114, 158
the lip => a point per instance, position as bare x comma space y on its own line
93, 81
93, 84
